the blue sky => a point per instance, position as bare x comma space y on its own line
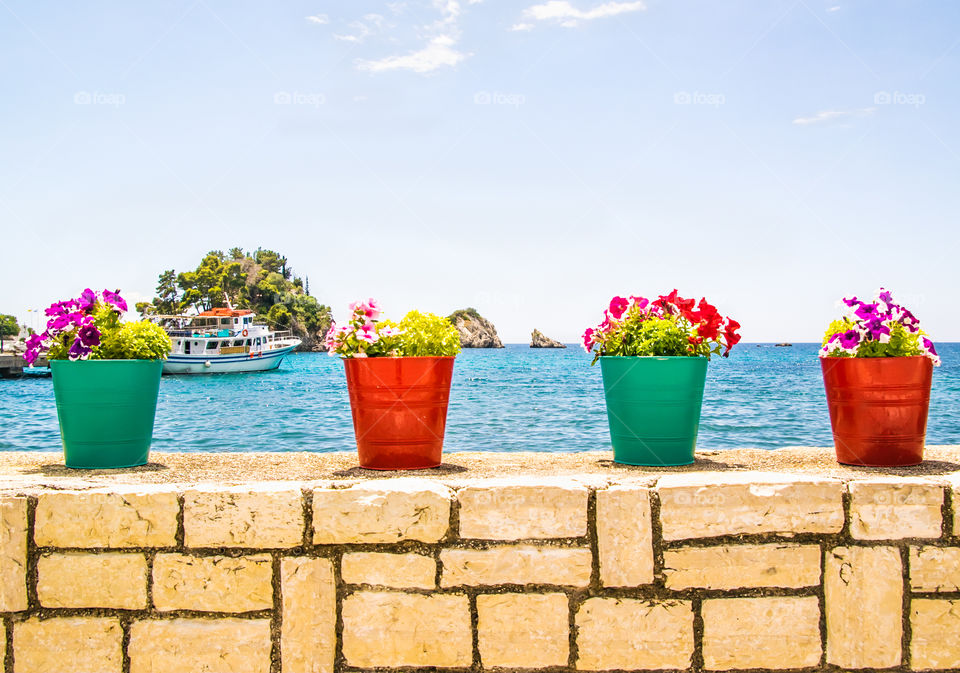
529, 159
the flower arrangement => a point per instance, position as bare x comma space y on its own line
366, 335
877, 329
666, 326
89, 328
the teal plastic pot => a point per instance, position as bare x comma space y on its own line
106, 410
653, 407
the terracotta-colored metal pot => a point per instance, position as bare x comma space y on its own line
878, 408
399, 410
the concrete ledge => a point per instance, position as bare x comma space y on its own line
284, 563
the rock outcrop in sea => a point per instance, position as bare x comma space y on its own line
539, 340
475, 330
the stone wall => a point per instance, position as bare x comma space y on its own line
743, 571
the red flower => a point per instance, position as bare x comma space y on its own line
730, 335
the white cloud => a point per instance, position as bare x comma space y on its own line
521, 26
570, 16
835, 8
834, 115
439, 40
439, 52
319, 19
361, 30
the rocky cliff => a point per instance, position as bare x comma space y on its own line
475, 330
539, 340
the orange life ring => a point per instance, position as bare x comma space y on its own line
245, 332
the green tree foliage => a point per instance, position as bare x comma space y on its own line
261, 281
8, 327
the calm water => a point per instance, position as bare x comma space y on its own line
515, 399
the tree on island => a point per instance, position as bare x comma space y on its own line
261, 281
8, 327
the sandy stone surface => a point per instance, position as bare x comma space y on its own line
192, 645
309, 602
523, 630
76, 644
742, 566
631, 634
383, 629
78, 580
863, 587
13, 554
25, 471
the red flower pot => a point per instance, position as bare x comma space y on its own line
878, 408
399, 409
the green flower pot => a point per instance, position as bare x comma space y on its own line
653, 407
106, 410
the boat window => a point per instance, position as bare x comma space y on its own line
257, 342
238, 342
186, 347
224, 321
212, 345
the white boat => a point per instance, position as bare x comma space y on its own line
223, 340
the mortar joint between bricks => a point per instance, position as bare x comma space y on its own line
593, 540
947, 514
33, 556
125, 623
341, 592
306, 495
8, 655
906, 597
476, 664
696, 658
276, 619
180, 535
656, 537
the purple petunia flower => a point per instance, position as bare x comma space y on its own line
78, 351
850, 339
87, 299
114, 299
866, 311
89, 335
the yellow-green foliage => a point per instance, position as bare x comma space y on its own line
142, 340
837, 327
426, 334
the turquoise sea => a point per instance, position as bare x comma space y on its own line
514, 399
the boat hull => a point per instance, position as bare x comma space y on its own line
222, 364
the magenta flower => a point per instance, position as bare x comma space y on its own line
87, 299
588, 339
850, 339
617, 306
115, 300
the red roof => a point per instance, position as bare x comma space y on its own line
226, 312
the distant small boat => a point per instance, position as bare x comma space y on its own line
783, 344
223, 340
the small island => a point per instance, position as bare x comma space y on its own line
475, 330
539, 340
